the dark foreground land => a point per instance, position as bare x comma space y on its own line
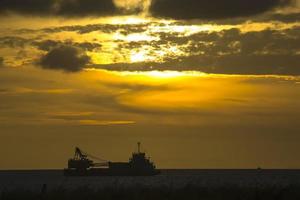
171, 184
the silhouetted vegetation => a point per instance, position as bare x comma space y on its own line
163, 193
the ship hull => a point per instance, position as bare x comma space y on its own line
109, 172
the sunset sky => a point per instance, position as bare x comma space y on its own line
202, 84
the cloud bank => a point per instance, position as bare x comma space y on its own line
59, 7
226, 52
213, 9
177, 9
260, 47
66, 58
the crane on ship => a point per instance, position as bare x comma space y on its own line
82, 161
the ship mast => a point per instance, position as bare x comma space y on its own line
139, 147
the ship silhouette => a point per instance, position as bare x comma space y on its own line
83, 165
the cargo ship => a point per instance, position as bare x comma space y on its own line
83, 165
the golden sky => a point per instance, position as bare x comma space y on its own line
202, 90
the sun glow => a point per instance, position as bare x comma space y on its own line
135, 37
128, 20
130, 5
163, 74
174, 74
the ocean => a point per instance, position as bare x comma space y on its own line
35, 179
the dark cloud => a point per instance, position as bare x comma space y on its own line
213, 9
225, 52
47, 45
232, 64
272, 17
59, 7
288, 18
265, 17
66, 58
240, 64
270, 51
13, 42
126, 29
104, 28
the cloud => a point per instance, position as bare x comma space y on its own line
262, 18
231, 64
86, 119
273, 50
13, 41
66, 58
213, 9
226, 52
47, 45
104, 28
104, 123
133, 5
280, 17
240, 64
59, 7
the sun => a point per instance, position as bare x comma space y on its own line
138, 57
